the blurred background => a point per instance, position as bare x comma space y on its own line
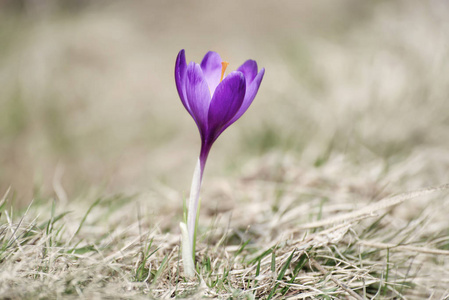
88, 99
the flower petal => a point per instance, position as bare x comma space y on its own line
198, 96
211, 66
225, 103
251, 91
180, 77
249, 69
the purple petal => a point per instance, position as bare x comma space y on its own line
180, 77
249, 69
198, 96
225, 103
251, 91
211, 66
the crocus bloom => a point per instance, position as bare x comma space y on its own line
215, 101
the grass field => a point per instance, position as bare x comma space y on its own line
332, 186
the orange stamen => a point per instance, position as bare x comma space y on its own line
224, 65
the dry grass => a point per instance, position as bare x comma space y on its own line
320, 191
354, 243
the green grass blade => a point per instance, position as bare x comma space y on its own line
161, 269
85, 216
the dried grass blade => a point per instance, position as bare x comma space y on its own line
370, 209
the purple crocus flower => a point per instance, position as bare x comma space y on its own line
214, 101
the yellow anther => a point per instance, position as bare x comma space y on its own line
224, 65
